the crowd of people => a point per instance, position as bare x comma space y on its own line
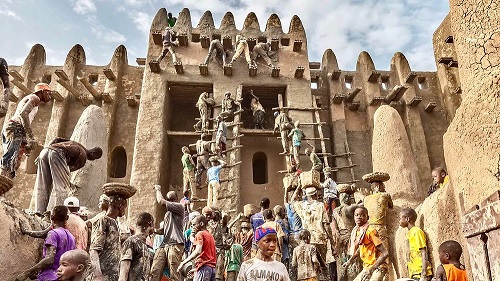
299, 240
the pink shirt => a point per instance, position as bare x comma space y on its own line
77, 226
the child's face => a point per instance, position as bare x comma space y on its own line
403, 220
360, 217
444, 258
67, 269
267, 244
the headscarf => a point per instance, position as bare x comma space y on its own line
260, 232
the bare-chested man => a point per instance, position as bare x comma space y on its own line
17, 136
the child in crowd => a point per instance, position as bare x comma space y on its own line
270, 223
305, 258
366, 244
59, 240
135, 255
72, 265
419, 267
450, 269
204, 252
263, 266
234, 258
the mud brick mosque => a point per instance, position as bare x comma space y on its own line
400, 121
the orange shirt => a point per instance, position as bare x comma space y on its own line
368, 249
454, 274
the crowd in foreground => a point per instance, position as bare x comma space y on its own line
272, 244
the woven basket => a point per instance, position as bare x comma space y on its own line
345, 188
376, 177
310, 179
5, 184
124, 190
250, 209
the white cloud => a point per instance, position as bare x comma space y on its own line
103, 33
5, 12
142, 21
84, 7
108, 35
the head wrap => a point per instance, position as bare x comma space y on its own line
260, 232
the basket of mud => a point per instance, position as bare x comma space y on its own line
376, 177
250, 209
5, 184
121, 189
345, 188
310, 179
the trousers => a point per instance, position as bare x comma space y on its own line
52, 179
188, 181
171, 256
242, 47
13, 138
213, 193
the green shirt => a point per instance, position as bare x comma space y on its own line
186, 162
171, 22
234, 258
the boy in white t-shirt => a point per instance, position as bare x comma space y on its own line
263, 267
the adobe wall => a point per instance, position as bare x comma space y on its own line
59, 117
352, 117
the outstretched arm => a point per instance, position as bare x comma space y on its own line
192, 256
159, 196
58, 140
44, 263
34, 233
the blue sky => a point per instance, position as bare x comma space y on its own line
346, 26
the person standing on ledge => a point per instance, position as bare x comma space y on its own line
55, 163
17, 136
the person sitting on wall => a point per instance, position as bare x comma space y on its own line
229, 106
55, 163
17, 136
440, 180
4, 78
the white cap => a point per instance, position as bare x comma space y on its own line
310, 190
72, 202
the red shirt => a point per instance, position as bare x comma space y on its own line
208, 256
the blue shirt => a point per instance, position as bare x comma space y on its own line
294, 220
213, 173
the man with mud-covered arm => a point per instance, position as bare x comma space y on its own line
17, 136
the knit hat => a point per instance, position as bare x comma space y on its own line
260, 232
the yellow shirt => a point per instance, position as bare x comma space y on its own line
368, 248
446, 180
416, 241
377, 207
